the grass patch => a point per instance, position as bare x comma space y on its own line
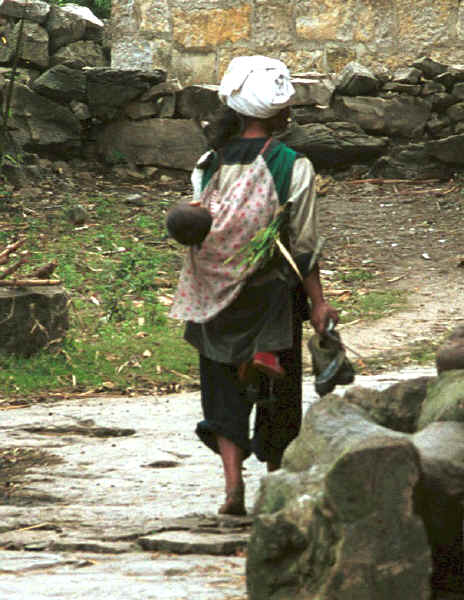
364, 304
120, 271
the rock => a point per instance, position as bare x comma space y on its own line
437, 125
312, 92
41, 125
401, 88
138, 110
458, 91
439, 496
186, 542
429, 67
313, 114
197, 102
334, 145
109, 89
25, 76
174, 143
65, 26
408, 75
398, 407
456, 112
166, 107
410, 162
451, 76
432, 87
33, 10
34, 48
356, 80
166, 88
83, 53
77, 215
448, 150
80, 109
32, 318
338, 521
445, 399
62, 84
450, 355
400, 116
441, 101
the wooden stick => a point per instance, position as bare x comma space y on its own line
4, 255
27, 282
14, 267
411, 181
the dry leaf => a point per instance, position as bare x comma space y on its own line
165, 300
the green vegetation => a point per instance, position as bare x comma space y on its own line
119, 270
360, 300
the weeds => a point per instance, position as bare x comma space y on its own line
120, 272
120, 337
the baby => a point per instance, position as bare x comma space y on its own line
188, 224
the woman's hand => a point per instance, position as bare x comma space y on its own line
321, 314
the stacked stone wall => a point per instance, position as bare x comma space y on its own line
195, 39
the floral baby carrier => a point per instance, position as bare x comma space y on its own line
212, 275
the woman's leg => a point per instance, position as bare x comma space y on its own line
232, 459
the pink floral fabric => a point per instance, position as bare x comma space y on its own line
208, 284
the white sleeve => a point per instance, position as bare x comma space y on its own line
304, 209
197, 175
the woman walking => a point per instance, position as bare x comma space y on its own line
245, 318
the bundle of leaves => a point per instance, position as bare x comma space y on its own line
260, 249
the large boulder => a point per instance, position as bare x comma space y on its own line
83, 53
40, 125
449, 150
32, 318
197, 102
108, 90
34, 46
411, 161
312, 92
36, 11
338, 520
65, 25
445, 399
439, 499
397, 407
334, 145
400, 116
450, 355
62, 84
173, 143
356, 80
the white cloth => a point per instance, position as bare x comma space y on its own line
256, 86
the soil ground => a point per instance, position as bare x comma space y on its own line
408, 236
381, 235
93, 498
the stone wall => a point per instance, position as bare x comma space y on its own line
195, 39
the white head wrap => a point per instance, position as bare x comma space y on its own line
256, 86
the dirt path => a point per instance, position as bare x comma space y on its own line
401, 236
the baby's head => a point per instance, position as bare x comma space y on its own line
187, 224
